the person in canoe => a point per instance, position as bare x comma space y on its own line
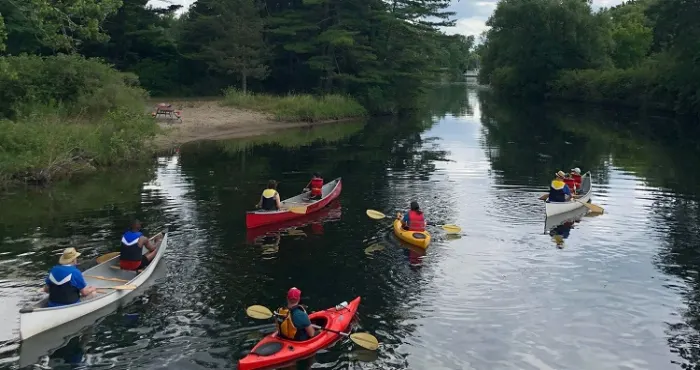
558, 190
270, 198
65, 283
414, 220
315, 186
576, 175
292, 321
133, 242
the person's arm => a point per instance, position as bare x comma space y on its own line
145, 242
310, 331
79, 282
305, 323
46, 288
404, 220
567, 193
259, 202
277, 200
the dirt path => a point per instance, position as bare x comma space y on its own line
208, 120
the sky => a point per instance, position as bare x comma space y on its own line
471, 14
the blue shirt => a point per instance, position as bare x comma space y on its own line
301, 321
65, 274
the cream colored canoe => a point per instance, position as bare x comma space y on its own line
555, 208
37, 318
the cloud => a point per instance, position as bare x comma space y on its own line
467, 26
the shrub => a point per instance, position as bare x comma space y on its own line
296, 107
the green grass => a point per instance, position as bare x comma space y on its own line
307, 108
45, 146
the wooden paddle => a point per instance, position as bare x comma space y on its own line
364, 340
592, 207
106, 257
451, 229
298, 210
106, 278
120, 287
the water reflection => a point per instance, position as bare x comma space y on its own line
622, 292
559, 226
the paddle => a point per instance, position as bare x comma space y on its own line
376, 215
365, 340
298, 210
118, 287
106, 278
106, 257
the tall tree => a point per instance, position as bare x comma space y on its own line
231, 38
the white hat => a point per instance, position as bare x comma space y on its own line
576, 170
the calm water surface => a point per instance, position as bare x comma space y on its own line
620, 293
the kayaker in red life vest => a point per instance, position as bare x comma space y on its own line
292, 321
315, 186
414, 219
576, 175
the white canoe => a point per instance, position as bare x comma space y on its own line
37, 318
555, 208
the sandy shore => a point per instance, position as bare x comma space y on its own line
208, 120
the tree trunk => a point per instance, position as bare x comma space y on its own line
244, 78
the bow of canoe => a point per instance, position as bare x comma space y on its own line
330, 191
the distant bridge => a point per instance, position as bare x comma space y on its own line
473, 73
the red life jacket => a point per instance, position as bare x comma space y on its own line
577, 179
570, 183
316, 187
416, 221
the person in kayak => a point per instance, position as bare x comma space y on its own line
65, 283
558, 191
270, 198
315, 186
576, 175
414, 220
292, 321
133, 242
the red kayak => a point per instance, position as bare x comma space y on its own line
330, 191
273, 351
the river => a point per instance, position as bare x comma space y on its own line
621, 292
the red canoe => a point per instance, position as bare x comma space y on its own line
329, 213
273, 351
330, 191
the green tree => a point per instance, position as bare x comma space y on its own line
58, 26
631, 33
530, 41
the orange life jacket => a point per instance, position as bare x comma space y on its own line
284, 323
416, 221
570, 183
316, 187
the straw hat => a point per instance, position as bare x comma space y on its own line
561, 174
69, 255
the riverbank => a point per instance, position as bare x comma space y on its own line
216, 119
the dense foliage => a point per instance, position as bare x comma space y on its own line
639, 53
383, 54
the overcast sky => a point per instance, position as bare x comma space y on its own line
471, 14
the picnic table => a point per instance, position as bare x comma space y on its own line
168, 111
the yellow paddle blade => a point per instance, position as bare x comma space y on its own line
365, 340
375, 214
107, 257
258, 312
298, 210
122, 287
452, 229
544, 196
594, 208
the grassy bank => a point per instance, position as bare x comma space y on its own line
296, 107
66, 114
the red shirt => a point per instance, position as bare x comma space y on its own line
316, 186
129, 265
570, 183
577, 179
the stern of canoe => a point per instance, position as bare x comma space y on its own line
556, 208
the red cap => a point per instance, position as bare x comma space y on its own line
294, 294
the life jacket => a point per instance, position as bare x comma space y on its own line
577, 179
62, 292
556, 191
416, 221
268, 200
130, 249
571, 183
316, 187
285, 324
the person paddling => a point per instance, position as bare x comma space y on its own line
558, 191
65, 283
292, 321
270, 198
414, 220
576, 176
133, 242
315, 186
